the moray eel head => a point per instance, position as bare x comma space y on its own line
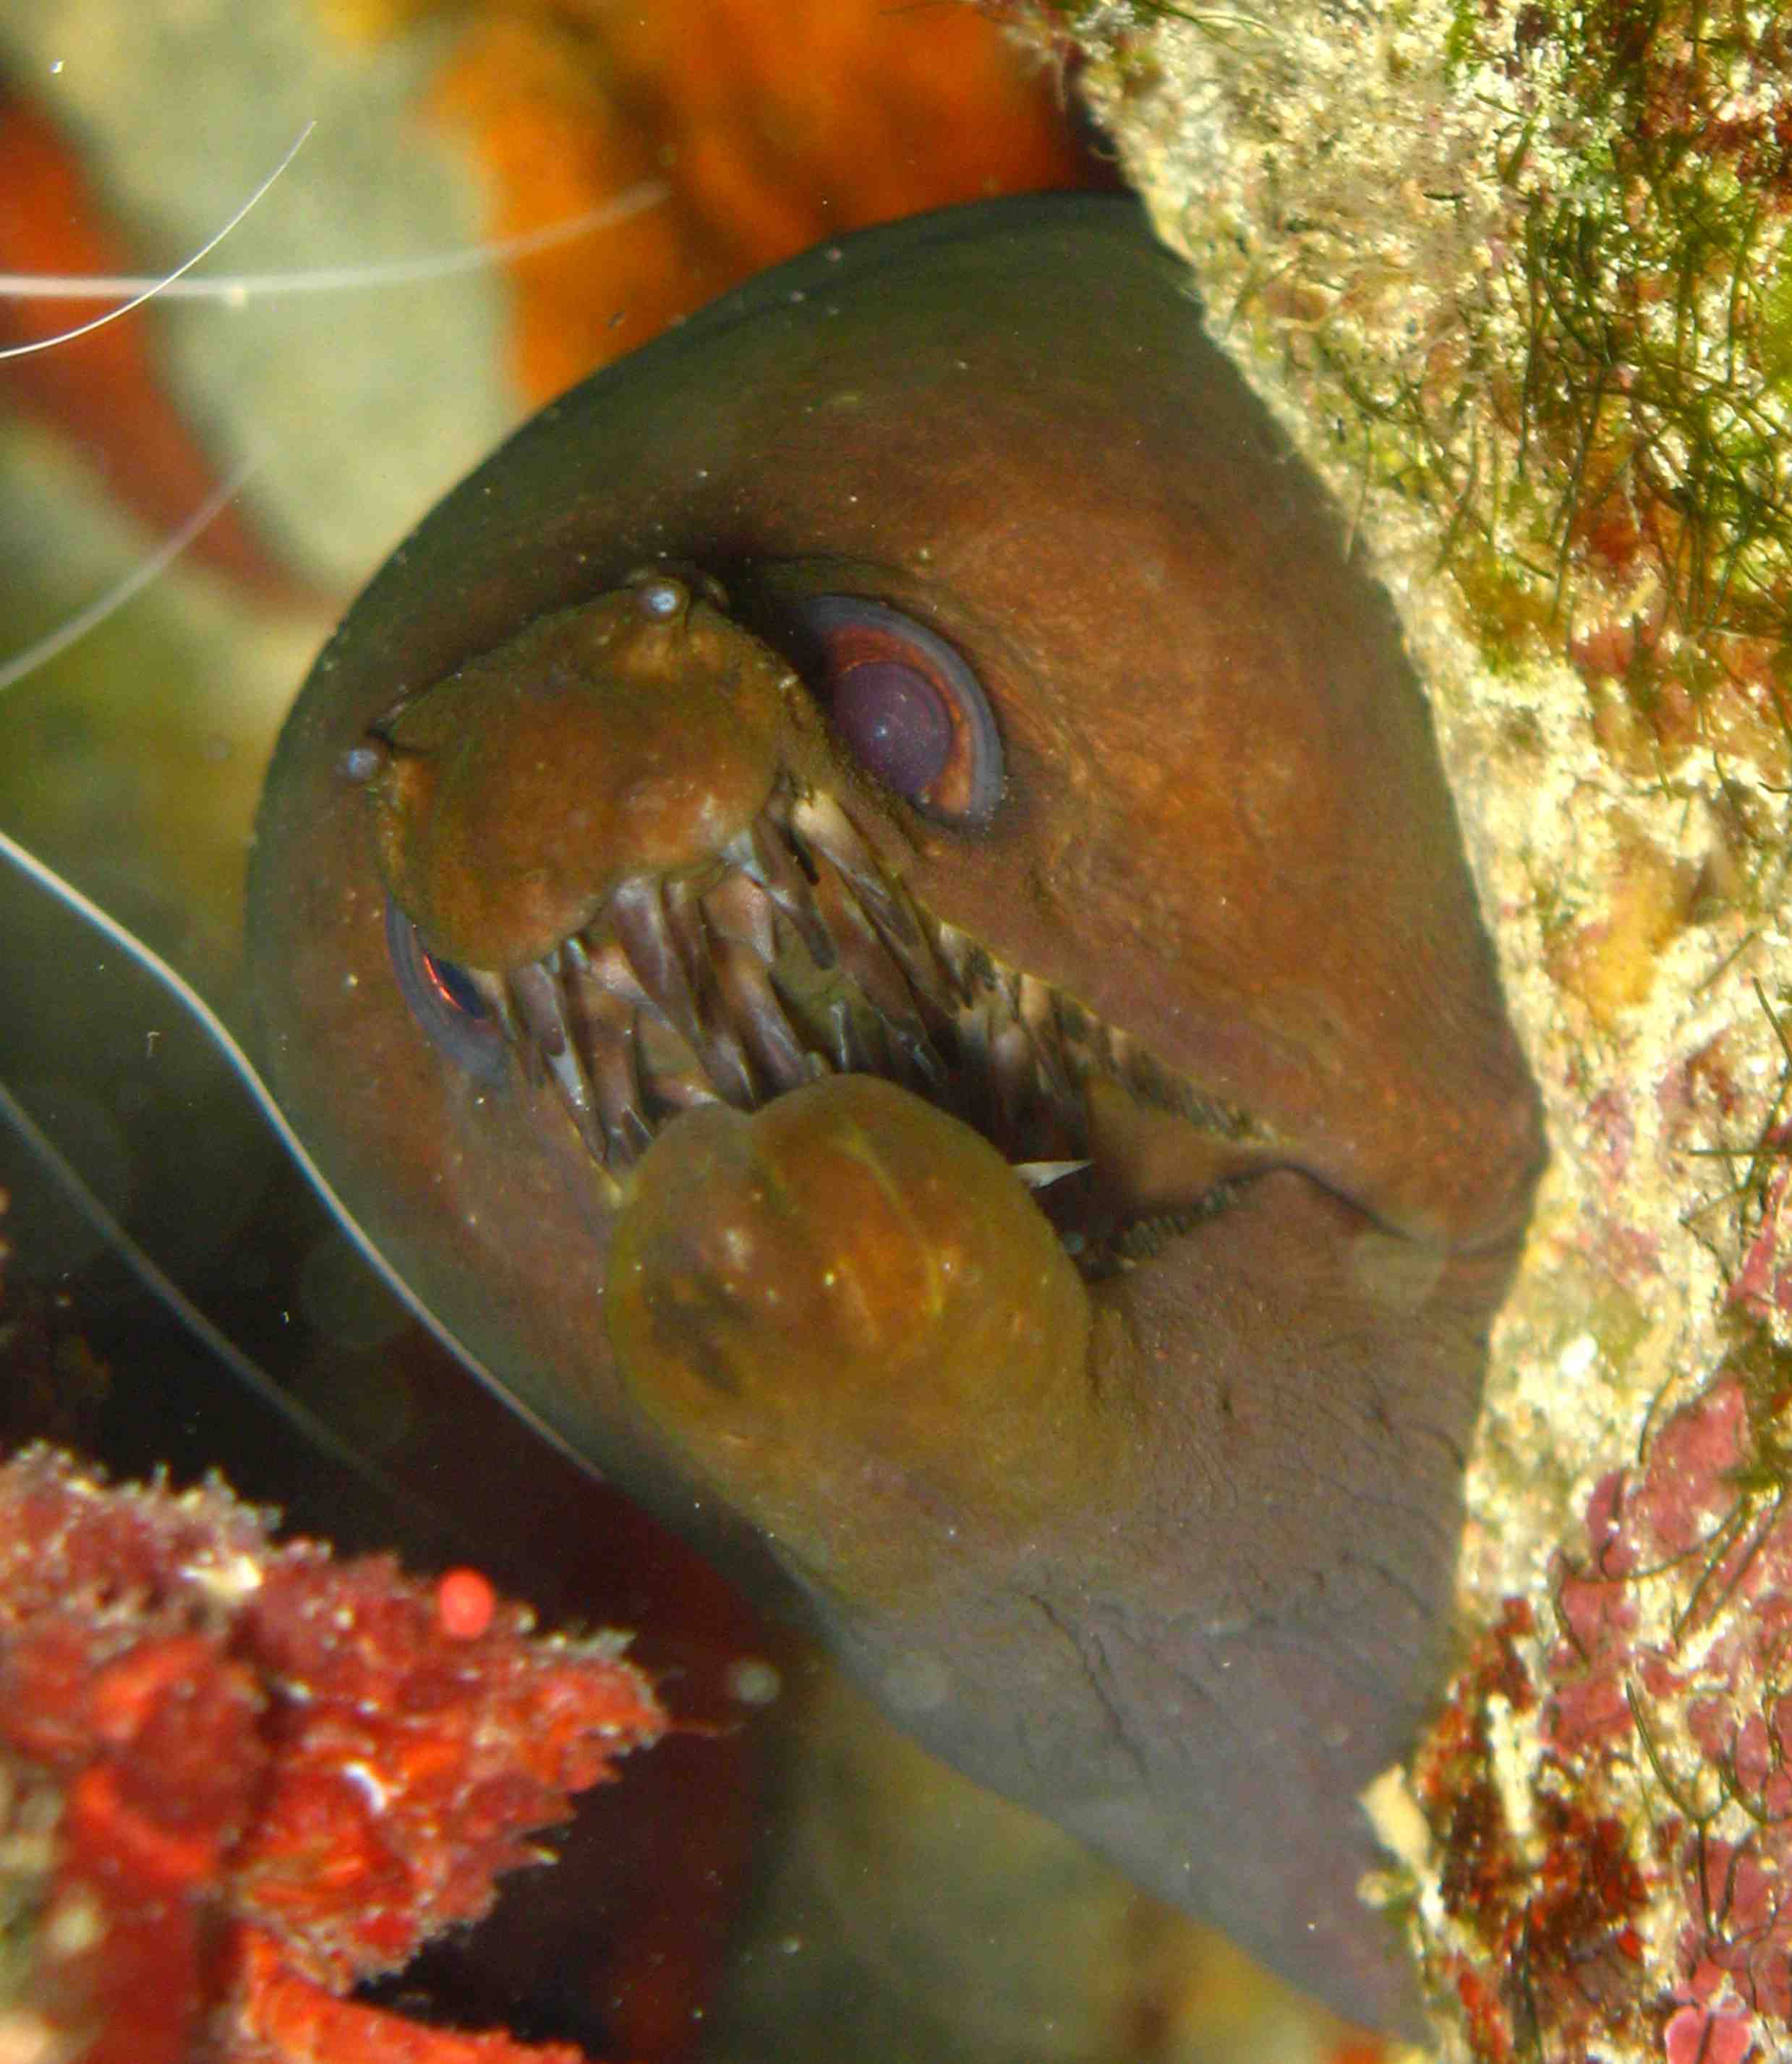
870, 912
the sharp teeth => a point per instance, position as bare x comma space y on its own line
605, 966
661, 930
687, 1090
541, 1004
1037, 1006
739, 909
620, 1097
859, 1047
1032, 1000
953, 947
496, 994
639, 916
930, 984
864, 956
920, 1060
677, 996
769, 862
974, 1087
1016, 1076
1042, 1174
966, 962
820, 822
536, 990
1073, 1021
758, 1015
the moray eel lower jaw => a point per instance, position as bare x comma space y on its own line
1072, 1485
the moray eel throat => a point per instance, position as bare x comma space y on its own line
869, 913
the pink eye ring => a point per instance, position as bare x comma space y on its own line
909, 706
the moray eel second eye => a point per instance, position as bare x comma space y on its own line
870, 912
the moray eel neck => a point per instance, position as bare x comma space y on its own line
870, 912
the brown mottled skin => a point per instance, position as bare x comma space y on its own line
1165, 1552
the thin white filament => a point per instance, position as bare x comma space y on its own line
115, 597
647, 194
250, 1374
238, 287
161, 286
215, 1029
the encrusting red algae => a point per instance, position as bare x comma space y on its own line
238, 1777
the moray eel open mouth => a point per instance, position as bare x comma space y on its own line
787, 953
798, 956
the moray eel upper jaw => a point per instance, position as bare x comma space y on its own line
636, 736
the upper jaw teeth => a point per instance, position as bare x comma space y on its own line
800, 957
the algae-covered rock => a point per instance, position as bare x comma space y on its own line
1515, 278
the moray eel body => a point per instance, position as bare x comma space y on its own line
870, 913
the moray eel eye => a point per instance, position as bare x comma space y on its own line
909, 706
446, 1001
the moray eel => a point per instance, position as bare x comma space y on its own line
870, 913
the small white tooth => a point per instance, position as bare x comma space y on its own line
535, 991
610, 973
1034, 1002
737, 908
540, 1001
568, 1077
1040, 1174
819, 820
496, 995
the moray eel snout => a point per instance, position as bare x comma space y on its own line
870, 912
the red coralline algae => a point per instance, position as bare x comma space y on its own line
1611, 1799
1695, 2037
237, 1778
465, 1604
1762, 1287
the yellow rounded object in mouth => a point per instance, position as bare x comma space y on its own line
847, 1306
